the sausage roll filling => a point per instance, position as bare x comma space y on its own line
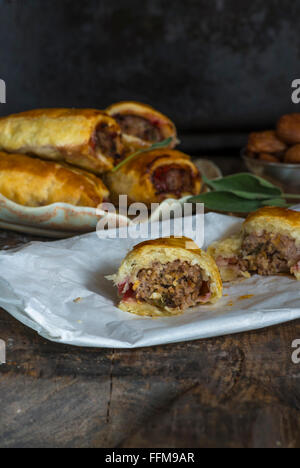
268, 254
166, 276
176, 285
106, 141
265, 254
173, 179
268, 244
139, 127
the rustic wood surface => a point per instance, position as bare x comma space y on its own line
234, 391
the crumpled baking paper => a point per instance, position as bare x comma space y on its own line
59, 289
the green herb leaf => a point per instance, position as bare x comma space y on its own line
161, 144
245, 185
291, 195
229, 202
276, 202
226, 201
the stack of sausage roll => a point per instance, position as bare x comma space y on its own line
67, 155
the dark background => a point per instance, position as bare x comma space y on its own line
218, 68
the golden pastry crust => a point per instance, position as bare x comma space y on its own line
87, 138
228, 249
163, 127
165, 251
32, 182
140, 179
288, 128
292, 156
265, 142
272, 220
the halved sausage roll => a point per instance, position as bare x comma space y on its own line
154, 176
165, 277
86, 138
268, 244
142, 125
33, 182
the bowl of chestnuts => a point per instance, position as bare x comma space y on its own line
275, 154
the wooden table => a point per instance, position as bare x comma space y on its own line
233, 391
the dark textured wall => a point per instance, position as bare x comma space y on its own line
220, 66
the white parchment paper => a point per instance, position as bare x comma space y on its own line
59, 289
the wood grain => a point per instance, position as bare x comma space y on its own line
234, 391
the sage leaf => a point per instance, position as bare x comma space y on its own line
161, 144
229, 202
246, 186
226, 201
276, 202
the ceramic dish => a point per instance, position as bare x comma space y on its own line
62, 220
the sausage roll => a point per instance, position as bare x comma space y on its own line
142, 125
268, 244
86, 138
167, 276
288, 128
153, 176
33, 182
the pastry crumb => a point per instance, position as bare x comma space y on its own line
244, 298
